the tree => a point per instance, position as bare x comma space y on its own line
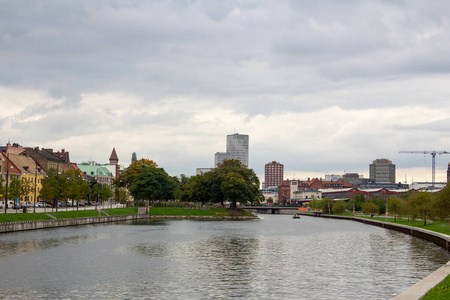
315, 204
197, 189
126, 178
355, 202
151, 183
14, 190
26, 188
327, 205
51, 187
422, 205
381, 203
2, 188
234, 188
252, 193
442, 205
369, 208
339, 207
395, 205
120, 195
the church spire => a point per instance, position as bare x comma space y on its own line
113, 159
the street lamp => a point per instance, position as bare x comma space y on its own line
7, 182
35, 186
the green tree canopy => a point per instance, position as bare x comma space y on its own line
339, 207
234, 188
327, 205
370, 208
152, 183
126, 178
422, 206
442, 204
210, 188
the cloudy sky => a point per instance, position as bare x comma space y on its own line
324, 87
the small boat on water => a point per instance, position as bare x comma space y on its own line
296, 217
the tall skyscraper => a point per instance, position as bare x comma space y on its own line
382, 170
237, 147
273, 174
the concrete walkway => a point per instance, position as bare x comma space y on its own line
420, 289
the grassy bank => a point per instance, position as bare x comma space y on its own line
20, 217
214, 212
441, 227
154, 211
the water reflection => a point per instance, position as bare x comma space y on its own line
272, 258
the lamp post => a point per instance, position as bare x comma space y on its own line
7, 182
35, 184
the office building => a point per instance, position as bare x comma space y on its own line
382, 171
219, 157
273, 174
237, 147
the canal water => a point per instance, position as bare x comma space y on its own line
275, 257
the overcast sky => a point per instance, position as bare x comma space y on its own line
324, 87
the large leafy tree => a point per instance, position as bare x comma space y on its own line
395, 206
327, 205
422, 206
210, 188
151, 183
126, 178
370, 208
234, 188
74, 187
252, 195
339, 207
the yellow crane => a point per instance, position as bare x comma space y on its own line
433, 159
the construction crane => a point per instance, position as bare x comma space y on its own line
433, 160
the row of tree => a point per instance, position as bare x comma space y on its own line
420, 205
230, 182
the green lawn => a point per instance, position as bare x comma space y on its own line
70, 214
439, 292
178, 211
20, 217
441, 227
12, 217
121, 211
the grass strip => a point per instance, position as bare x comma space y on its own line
440, 291
121, 211
441, 227
21, 217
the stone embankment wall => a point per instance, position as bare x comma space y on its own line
31, 225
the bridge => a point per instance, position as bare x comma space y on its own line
284, 210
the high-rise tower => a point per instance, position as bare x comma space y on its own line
237, 147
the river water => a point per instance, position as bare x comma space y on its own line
275, 257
